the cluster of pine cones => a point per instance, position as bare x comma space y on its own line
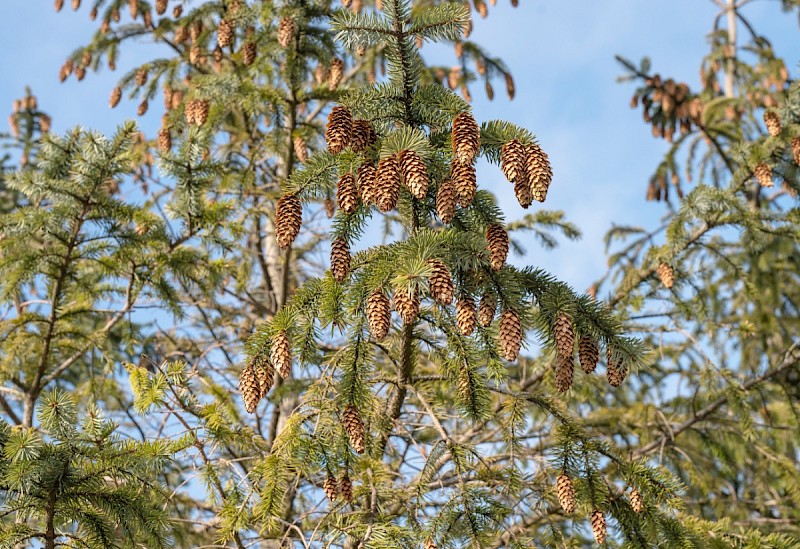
668, 106
528, 168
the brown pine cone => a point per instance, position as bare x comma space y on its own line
637, 504
429, 544
487, 309
667, 275
286, 31
133, 6
335, 74
116, 95
224, 33
249, 388
161, 6
510, 335
346, 488
565, 369
266, 377
339, 129
300, 149
331, 488
378, 314
340, 259
197, 112
181, 35
796, 150
288, 218
168, 97
164, 140
441, 282
387, 185
59, 5
773, 123
465, 182
406, 305
249, 52
414, 173
466, 316
281, 354
599, 526
446, 201
346, 193
367, 183
141, 77
177, 98
540, 173
588, 353
351, 419
177, 11
615, 370
764, 175
497, 240
466, 138
142, 109
513, 162
330, 207
564, 335
363, 135
522, 190
566, 493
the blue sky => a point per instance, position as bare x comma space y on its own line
561, 53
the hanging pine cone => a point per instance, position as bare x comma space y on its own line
667, 275
366, 183
510, 335
224, 33
164, 140
497, 240
288, 217
773, 123
346, 193
331, 488
764, 175
566, 493
340, 259
466, 138
335, 74
466, 316
330, 207
281, 354
415, 174
513, 161
429, 544
181, 35
522, 190
446, 201
197, 112
133, 7
615, 370
378, 314
465, 182
116, 95
249, 51
161, 6
540, 173
796, 150
588, 353
286, 31
266, 377
363, 135
599, 526
637, 504
59, 5
406, 305
565, 369
142, 109
354, 427
441, 282
141, 77
249, 388
346, 488
387, 184
487, 309
339, 129
177, 11
300, 149
177, 98
564, 334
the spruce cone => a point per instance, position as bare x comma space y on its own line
666, 274
164, 140
354, 427
540, 174
339, 129
497, 239
177, 11
335, 74
366, 183
466, 316
197, 112
249, 52
565, 369
300, 149
224, 33
286, 30
637, 504
346, 193
487, 309
141, 77
615, 371
406, 305
330, 488
116, 95
281, 354
387, 185
363, 135
340, 259
465, 182
513, 162
429, 544
59, 5
181, 35
773, 123
588, 353
566, 493
330, 207
266, 377
441, 282
564, 335
133, 6
288, 217
466, 138
446, 201
346, 488
379, 314
510, 335
796, 150
415, 174
764, 175
249, 388
161, 6
599, 526
522, 190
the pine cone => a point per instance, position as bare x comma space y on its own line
281, 354
497, 240
666, 274
465, 182
566, 493
197, 112
224, 33
406, 305
346, 488
363, 135
441, 282
464, 384
522, 190
161, 6
773, 123
266, 377
637, 504
141, 77
288, 217
599, 526
330, 207
346, 193
177, 98
446, 201
354, 427
142, 109
330, 488
429, 544
379, 314
59, 5
540, 173
588, 353
181, 35
177, 11
796, 150
249, 52
116, 95
249, 388
164, 140
487, 309
564, 335
340, 259
415, 174
366, 183
133, 6
466, 316
300, 149
513, 162
764, 175
387, 185
335, 74
466, 138
510, 335
339, 129
286, 31
615, 371
565, 369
